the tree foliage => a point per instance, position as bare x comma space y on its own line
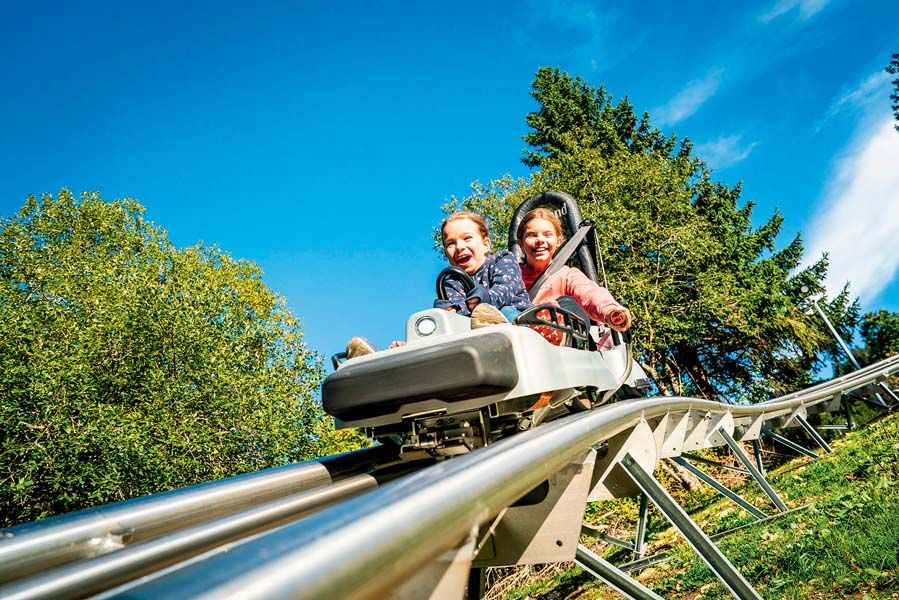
880, 335
893, 69
718, 307
128, 366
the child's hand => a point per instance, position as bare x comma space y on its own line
397, 344
445, 305
619, 319
476, 296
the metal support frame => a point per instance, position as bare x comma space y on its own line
776, 437
847, 412
756, 474
833, 427
432, 508
613, 576
700, 542
866, 400
889, 392
609, 539
814, 434
719, 487
638, 546
642, 518
757, 452
851, 356
655, 559
715, 463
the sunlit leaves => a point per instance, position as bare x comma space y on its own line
128, 366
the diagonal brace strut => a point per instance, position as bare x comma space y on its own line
753, 470
700, 542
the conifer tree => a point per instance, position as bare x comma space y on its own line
718, 307
893, 69
880, 335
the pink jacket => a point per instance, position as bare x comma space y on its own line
567, 281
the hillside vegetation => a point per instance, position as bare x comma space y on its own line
843, 545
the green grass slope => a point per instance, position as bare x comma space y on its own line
845, 545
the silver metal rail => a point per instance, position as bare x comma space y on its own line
367, 546
40, 545
79, 579
372, 544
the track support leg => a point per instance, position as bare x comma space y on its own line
814, 434
718, 487
756, 474
847, 411
640, 537
757, 451
775, 437
889, 392
700, 542
612, 576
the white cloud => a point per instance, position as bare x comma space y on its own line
807, 9
689, 99
727, 150
872, 89
859, 222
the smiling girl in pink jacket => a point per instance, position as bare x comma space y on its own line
539, 236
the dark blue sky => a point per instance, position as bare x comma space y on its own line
320, 139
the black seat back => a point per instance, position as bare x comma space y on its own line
569, 214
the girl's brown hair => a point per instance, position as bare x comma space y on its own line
465, 214
540, 213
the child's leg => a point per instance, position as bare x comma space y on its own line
510, 313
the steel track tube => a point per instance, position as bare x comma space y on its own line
707, 550
368, 545
719, 487
104, 572
40, 545
756, 474
850, 381
612, 576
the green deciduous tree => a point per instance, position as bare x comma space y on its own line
128, 366
718, 306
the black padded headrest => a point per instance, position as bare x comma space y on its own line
569, 214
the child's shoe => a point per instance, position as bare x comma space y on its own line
484, 315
